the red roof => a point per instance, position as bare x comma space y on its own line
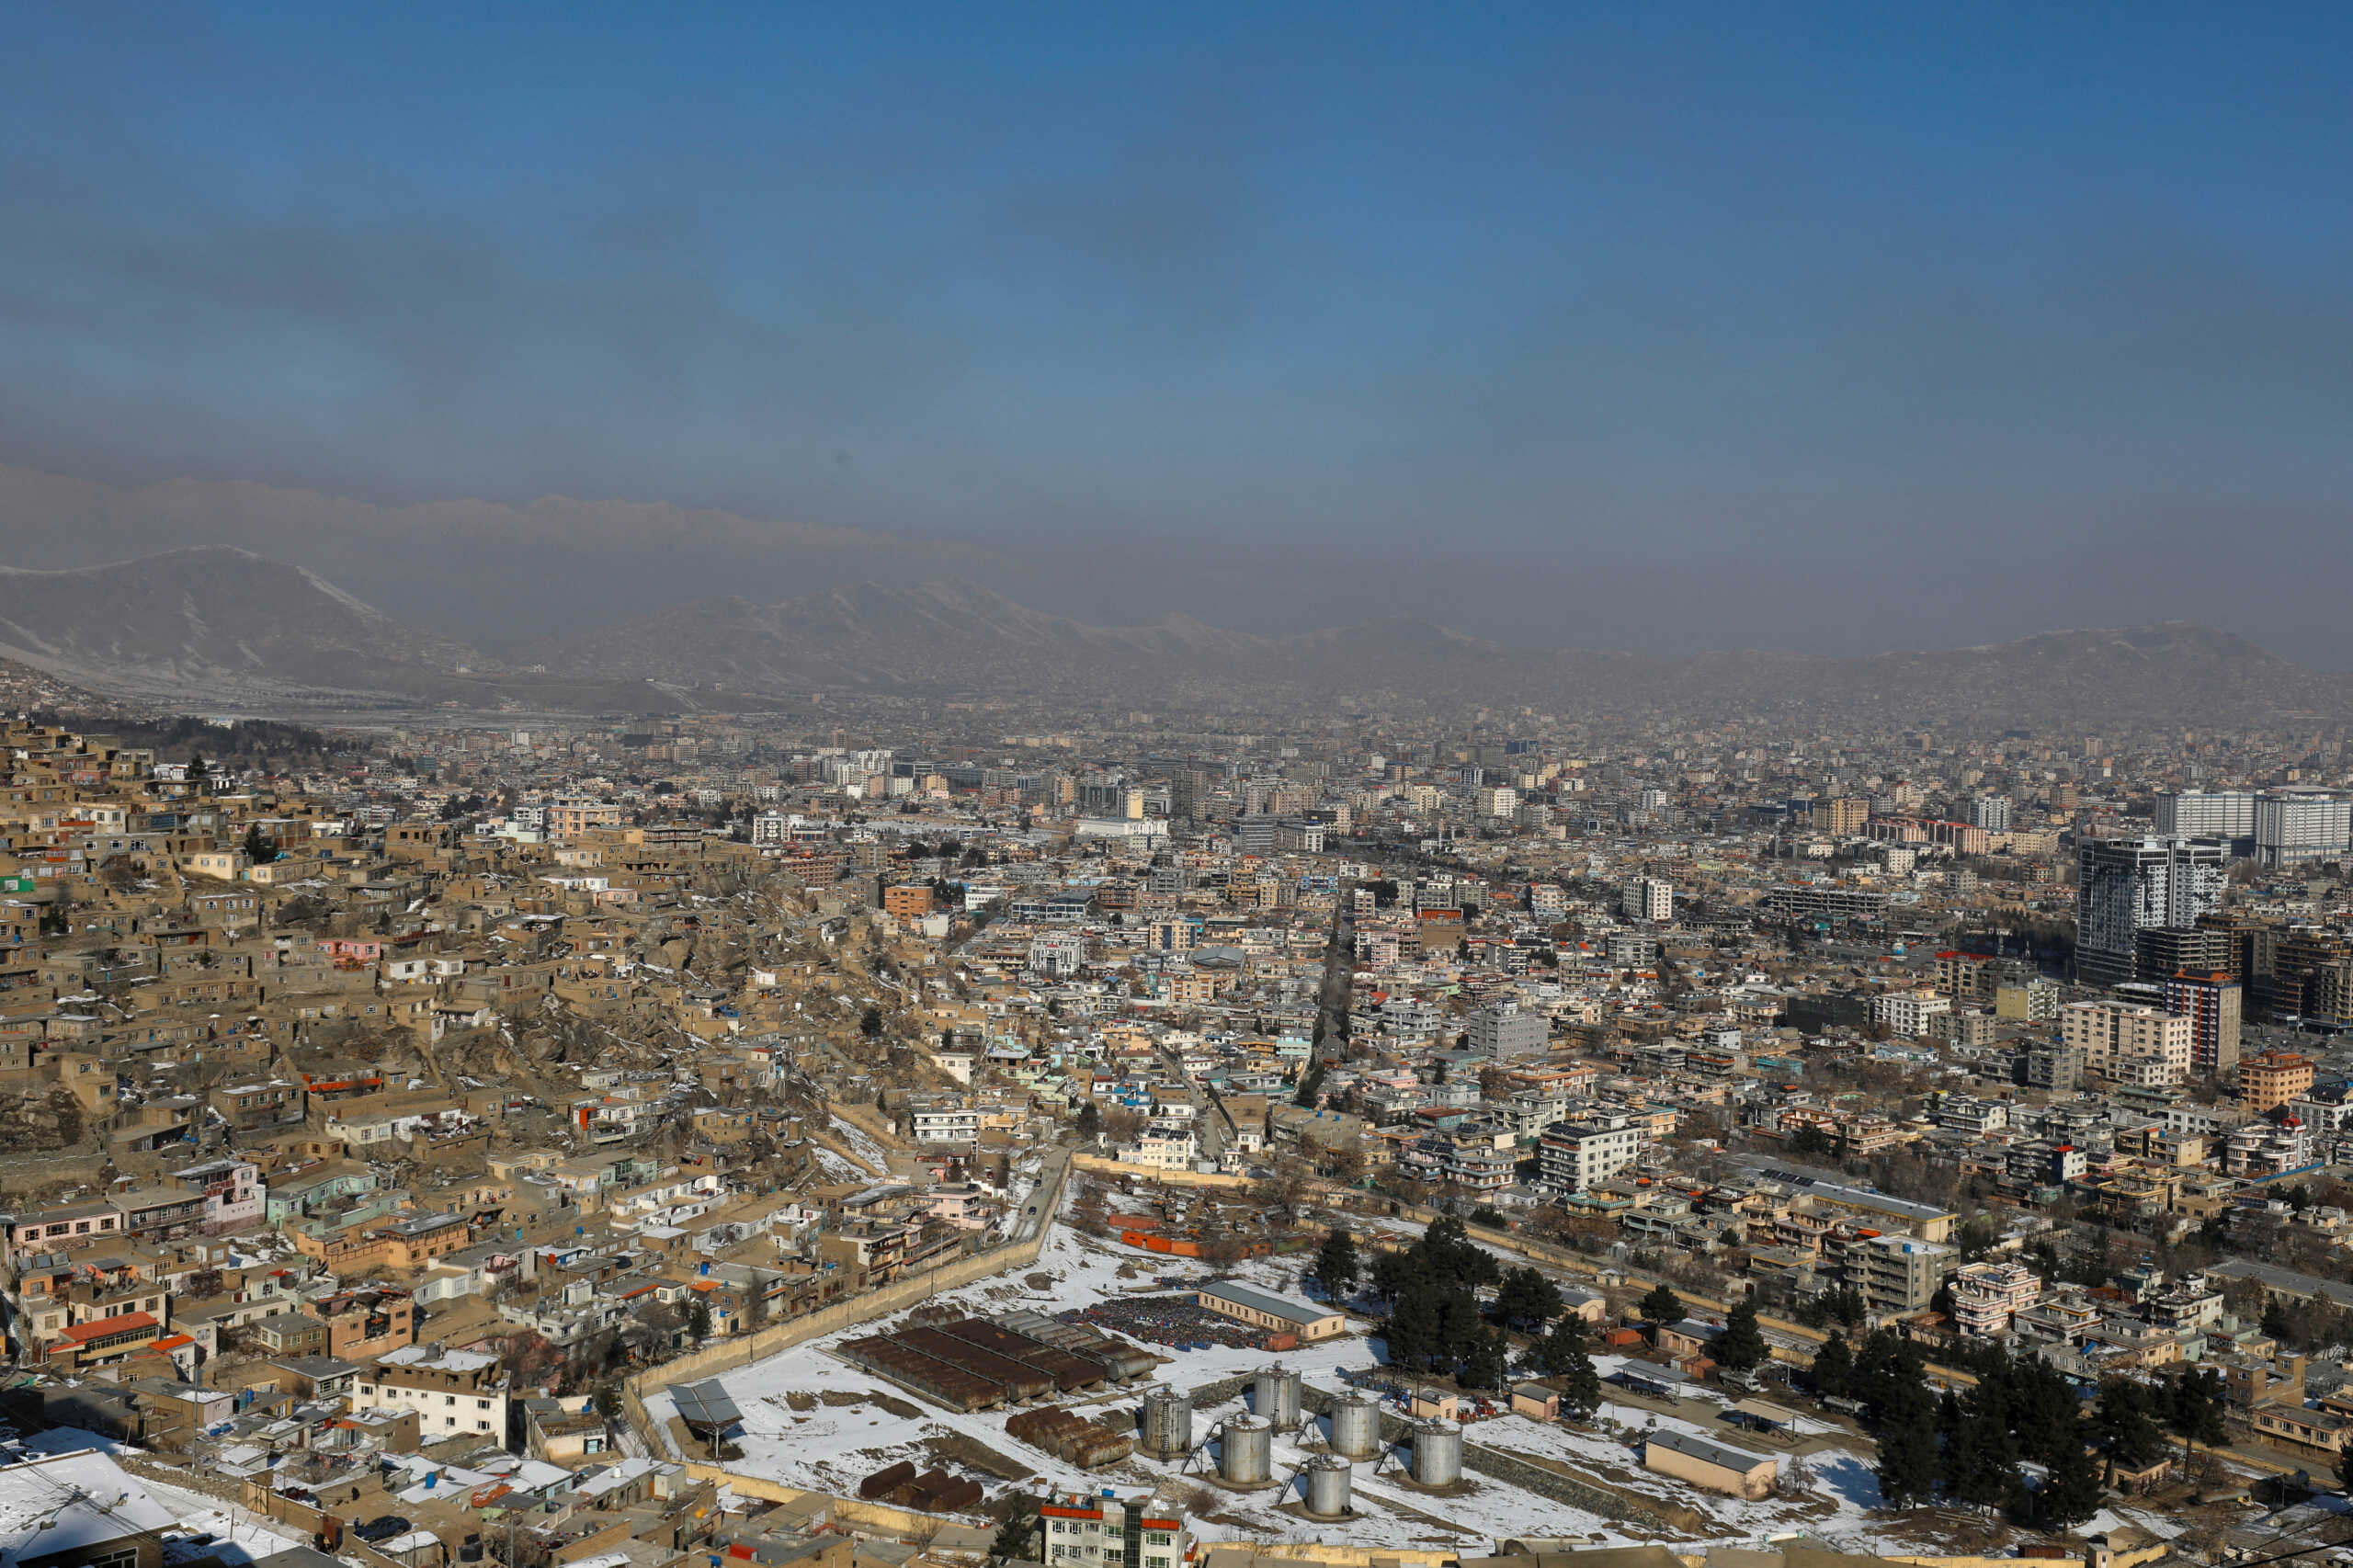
83, 1332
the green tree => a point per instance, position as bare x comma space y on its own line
1741, 1346
1336, 1264
1907, 1463
1977, 1237
1811, 1141
1310, 1085
2127, 1425
1487, 1364
2071, 1492
1562, 1354
2195, 1409
1833, 1367
1527, 1297
1662, 1305
871, 1024
2275, 1321
698, 1320
1011, 1543
1090, 1120
258, 849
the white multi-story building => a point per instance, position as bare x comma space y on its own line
1650, 898
1991, 812
1574, 1156
1985, 1295
1083, 1530
946, 1119
453, 1393
2200, 813
2295, 826
2126, 886
1906, 1013
1058, 954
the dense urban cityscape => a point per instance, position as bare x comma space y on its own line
701, 1135
1265, 786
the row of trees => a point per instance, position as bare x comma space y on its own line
1968, 1446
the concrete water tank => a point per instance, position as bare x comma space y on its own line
1437, 1453
1247, 1451
1327, 1486
1167, 1422
1274, 1396
1356, 1425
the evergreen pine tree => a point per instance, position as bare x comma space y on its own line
2070, 1493
1562, 1354
1988, 1475
1526, 1296
1741, 1346
2126, 1427
2275, 1321
1013, 1538
1907, 1463
1662, 1305
1833, 1367
1336, 1264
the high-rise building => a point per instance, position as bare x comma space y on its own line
2199, 814
2210, 1002
2163, 951
2310, 976
2109, 1033
1841, 816
2125, 886
1648, 898
2296, 828
2249, 943
1991, 812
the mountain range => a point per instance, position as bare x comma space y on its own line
221, 627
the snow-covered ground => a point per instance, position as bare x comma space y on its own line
813, 1420
861, 1142
240, 1534
840, 1167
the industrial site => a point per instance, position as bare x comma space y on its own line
989, 1392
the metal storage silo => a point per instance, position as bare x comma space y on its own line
1246, 1451
1167, 1422
1327, 1486
1356, 1425
1274, 1396
1437, 1453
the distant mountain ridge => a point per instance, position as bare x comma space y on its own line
210, 624
189, 616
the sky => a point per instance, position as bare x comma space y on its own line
1837, 328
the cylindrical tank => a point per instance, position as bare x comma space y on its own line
1247, 1451
1356, 1425
1274, 1396
1167, 1422
1327, 1486
1437, 1453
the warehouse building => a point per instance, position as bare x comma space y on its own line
1277, 1314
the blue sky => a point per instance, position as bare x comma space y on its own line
1659, 328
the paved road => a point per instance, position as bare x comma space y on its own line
1339, 974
